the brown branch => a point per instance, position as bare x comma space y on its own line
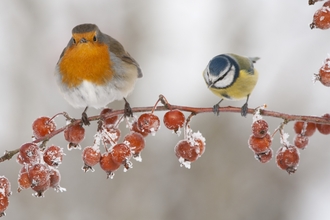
194, 110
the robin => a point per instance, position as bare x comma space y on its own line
94, 70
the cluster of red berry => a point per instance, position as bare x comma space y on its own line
5, 192
39, 165
321, 17
287, 156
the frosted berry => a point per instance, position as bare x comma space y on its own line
185, 150
55, 178
287, 158
29, 153
24, 181
74, 135
5, 186
4, 202
260, 145
301, 141
136, 128
120, 153
109, 121
259, 128
40, 188
53, 155
43, 126
323, 128
174, 120
148, 122
108, 165
321, 18
264, 157
38, 174
304, 128
91, 156
135, 142
324, 73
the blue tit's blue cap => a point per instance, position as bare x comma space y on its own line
218, 64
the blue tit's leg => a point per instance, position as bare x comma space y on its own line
127, 109
84, 117
216, 107
244, 108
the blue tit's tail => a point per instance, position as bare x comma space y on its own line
254, 59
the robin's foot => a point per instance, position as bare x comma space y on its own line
127, 109
84, 117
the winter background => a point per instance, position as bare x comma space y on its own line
172, 41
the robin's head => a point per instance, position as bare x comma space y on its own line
86, 33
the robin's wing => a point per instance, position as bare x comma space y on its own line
118, 49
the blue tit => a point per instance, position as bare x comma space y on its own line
231, 77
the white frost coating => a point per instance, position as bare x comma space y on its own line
178, 132
153, 132
183, 162
59, 189
284, 139
321, 18
2, 191
97, 140
129, 164
257, 115
137, 157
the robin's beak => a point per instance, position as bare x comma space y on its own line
83, 40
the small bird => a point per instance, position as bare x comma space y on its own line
231, 77
94, 70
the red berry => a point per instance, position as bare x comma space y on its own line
135, 142
324, 73
287, 158
38, 174
43, 126
321, 19
136, 128
109, 121
24, 181
55, 178
185, 150
40, 188
304, 128
174, 119
259, 128
301, 141
148, 122
121, 153
4, 202
91, 156
322, 128
74, 135
29, 153
264, 157
108, 165
53, 155
260, 145
5, 186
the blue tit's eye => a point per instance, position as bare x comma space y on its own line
94, 38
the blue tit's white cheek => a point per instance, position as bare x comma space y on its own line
227, 80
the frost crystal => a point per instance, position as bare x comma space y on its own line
284, 139
183, 162
137, 157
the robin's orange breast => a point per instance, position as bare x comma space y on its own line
86, 61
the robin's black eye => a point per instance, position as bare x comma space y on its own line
73, 40
94, 38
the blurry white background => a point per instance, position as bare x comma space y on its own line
172, 41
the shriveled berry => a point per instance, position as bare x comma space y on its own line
321, 18
323, 128
136, 128
304, 128
264, 157
74, 135
4, 202
53, 155
120, 153
135, 142
301, 141
260, 145
38, 174
5, 186
108, 121
108, 165
24, 181
287, 158
148, 122
29, 153
91, 156
259, 128
174, 119
43, 126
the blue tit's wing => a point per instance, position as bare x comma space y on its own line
245, 63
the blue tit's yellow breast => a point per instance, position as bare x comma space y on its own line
241, 88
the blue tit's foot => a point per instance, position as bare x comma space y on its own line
84, 117
244, 109
216, 109
127, 109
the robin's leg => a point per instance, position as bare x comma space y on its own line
84, 117
127, 109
